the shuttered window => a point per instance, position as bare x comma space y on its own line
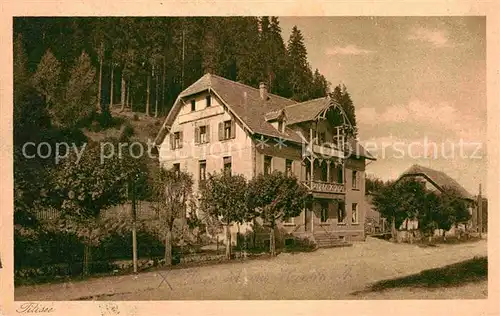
202, 134
227, 130
176, 140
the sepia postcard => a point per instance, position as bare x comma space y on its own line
278, 157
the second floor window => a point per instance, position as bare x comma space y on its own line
227, 165
176, 140
193, 105
227, 130
209, 100
201, 134
288, 167
267, 164
355, 179
324, 171
340, 174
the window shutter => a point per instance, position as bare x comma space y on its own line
172, 141
208, 133
196, 135
233, 129
180, 139
221, 130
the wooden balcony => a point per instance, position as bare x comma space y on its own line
324, 187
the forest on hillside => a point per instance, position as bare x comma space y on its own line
143, 63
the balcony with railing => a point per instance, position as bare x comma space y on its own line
324, 187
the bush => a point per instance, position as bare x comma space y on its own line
126, 131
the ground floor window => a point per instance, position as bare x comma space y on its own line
324, 211
354, 213
289, 220
341, 213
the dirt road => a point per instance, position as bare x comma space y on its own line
325, 274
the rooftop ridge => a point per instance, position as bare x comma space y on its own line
304, 102
247, 86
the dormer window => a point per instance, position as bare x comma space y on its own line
193, 105
281, 126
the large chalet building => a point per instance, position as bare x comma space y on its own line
217, 124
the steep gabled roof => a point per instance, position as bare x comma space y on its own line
247, 105
244, 101
440, 179
306, 111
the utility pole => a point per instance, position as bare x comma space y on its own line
480, 212
134, 228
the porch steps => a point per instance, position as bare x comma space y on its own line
330, 241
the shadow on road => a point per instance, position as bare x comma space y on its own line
457, 274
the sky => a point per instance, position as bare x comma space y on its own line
418, 85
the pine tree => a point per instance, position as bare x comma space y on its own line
47, 78
341, 95
299, 71
80, 94
320, 85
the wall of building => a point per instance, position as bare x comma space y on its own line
213, 152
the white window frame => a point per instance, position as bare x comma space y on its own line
355, 210
355, 180
204, 139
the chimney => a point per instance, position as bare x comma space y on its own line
263, 91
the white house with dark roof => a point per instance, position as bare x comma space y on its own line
218, 124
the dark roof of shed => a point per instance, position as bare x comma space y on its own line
438, 178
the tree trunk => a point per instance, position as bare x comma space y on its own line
163, 84
134, 246
254, 235
86, 259
111, 86
168, 247
127, 102
100, 83
123, 92
444, 234
272, 242
156, 97
147, 94
228, 242
393, 228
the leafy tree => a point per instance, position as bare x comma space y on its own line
47, 78
453, 209
274, 198
223, 197
82, 189
373, 184
172, 192
399, 201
